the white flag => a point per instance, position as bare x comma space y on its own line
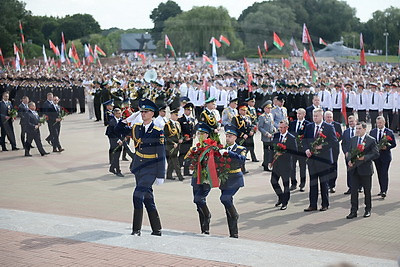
44, 55
214, 59
17, 64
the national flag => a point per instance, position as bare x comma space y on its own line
265, 46
322, 42
363, 62
277, 42
54, 48
205, 86
1, 57
64, 48
286, 63
224, 40
307, 61
143, 57
207, 61
99, 51
295, 49
215, 41
74, 54
16, 50
17, 62
344, 98
307, 39
22, 33
249, 75
88, 55
214, 58
44, 55
259, 54
168, 45
22, 54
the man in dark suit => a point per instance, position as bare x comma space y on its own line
22, 110
309, 110
346, 137
320, 158
328, 116
187, 126
281, 168
49, 109
115, 141
361, 168
57, 125
32, 129
297, 128
382, 163
229, 188
6, 122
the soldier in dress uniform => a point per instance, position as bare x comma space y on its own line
115, 141
361, 103
208, 116
173, 135
108, 111
279, 111
97, 100
237, 154
148, 165
252, 113
267, 129
242, 92
187, 126
230, 112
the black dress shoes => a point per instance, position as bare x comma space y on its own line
119, 174
277, 204
310, 209
323, 209
112, 171
293, 187
348, 192
360, 190
332, 190
302, 189
125, 159
137, 233
170, 178
367, 214
352, 215
28, 155
45, 153
284, 207
15, 148
383, 194
157, 233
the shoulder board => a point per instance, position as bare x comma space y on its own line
137, 124
156, 128
241, 147
274, 108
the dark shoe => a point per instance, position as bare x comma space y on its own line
45, 153
155, 223
137, 233
277, 204
284, 207
383, 195
256, 160
323, 209
170, 178
4, 149
125, 159
351, 215
55, 150
360, 190
181, 178
15, 148
112, 171
380, 194
310, 209
246, 172
119, 174
28, 155
332, 190
367, 214
348, 192
61, 149
293, 187
157, 233
302, 189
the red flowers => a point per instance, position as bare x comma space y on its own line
337, 135
281, 146
389, 138
361, 147
322, 135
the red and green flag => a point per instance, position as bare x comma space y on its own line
22, 54
286, 63
168, 45
22, 33
277, 42
249, 74
265, 46
224, 40
363, 62
259, 54
1, 57
215, 41
207, 61
307, 40
99, 51
307, 61
322, 42
54, 48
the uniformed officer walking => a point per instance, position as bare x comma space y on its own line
173, 135
187, 126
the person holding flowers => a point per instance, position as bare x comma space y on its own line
236, 157
363, 150
386, 142
33, 124
319, 139
7, 117
285, 148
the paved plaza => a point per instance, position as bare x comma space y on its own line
66, 209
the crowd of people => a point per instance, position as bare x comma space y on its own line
168, 109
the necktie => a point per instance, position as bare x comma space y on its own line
229, 148
220, 93
198, 94
280, 139
360, 99
387, 98
316, 132
322, 98
337, 95
298, 126
373, 98
359, 140
352, 132
380, 135
347, 99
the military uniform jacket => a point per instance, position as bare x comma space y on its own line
187, 127
252, 112
149, 160
279, 115
227, 115
209, 117
266, 125
243, 124
235, 179
172, 131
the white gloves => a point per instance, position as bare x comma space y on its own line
222, 151
159, 181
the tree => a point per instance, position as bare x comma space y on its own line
160, 14
269, 17
77, 26
191, 31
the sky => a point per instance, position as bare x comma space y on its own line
127, 14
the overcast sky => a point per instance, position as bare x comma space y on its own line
126, 14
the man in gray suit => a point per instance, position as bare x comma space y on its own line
361, 168
279, 111
267, 130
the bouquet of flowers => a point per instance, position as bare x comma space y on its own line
338, 135
357, 153
279, 150
320, 141
384, 143
299, 140
13, 113
209, 165
63, 112
43, 119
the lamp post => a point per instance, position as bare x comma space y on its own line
386, 34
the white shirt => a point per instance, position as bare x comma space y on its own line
146, 127
160, 122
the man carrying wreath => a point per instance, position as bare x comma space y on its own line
319, 139
286, 146
363, 150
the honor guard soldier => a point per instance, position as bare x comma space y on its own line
230, 112
237, 154
375, 103
242, 92
267, 129
173, 135
148, 165
97, 100
252, 113
279, 111
208, 116
108, 112
187, 127
361, 103
115, 143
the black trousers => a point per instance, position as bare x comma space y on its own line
356, 182
24, 135
388, 114
7, 129
362, 115
220, 109
268, 154
373, 115
34, 135
337, 114
54, 127
322, 177
173, 164
283, 195
198, 111
249, 144
97, 110
114, 154
302, 166
382, 168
